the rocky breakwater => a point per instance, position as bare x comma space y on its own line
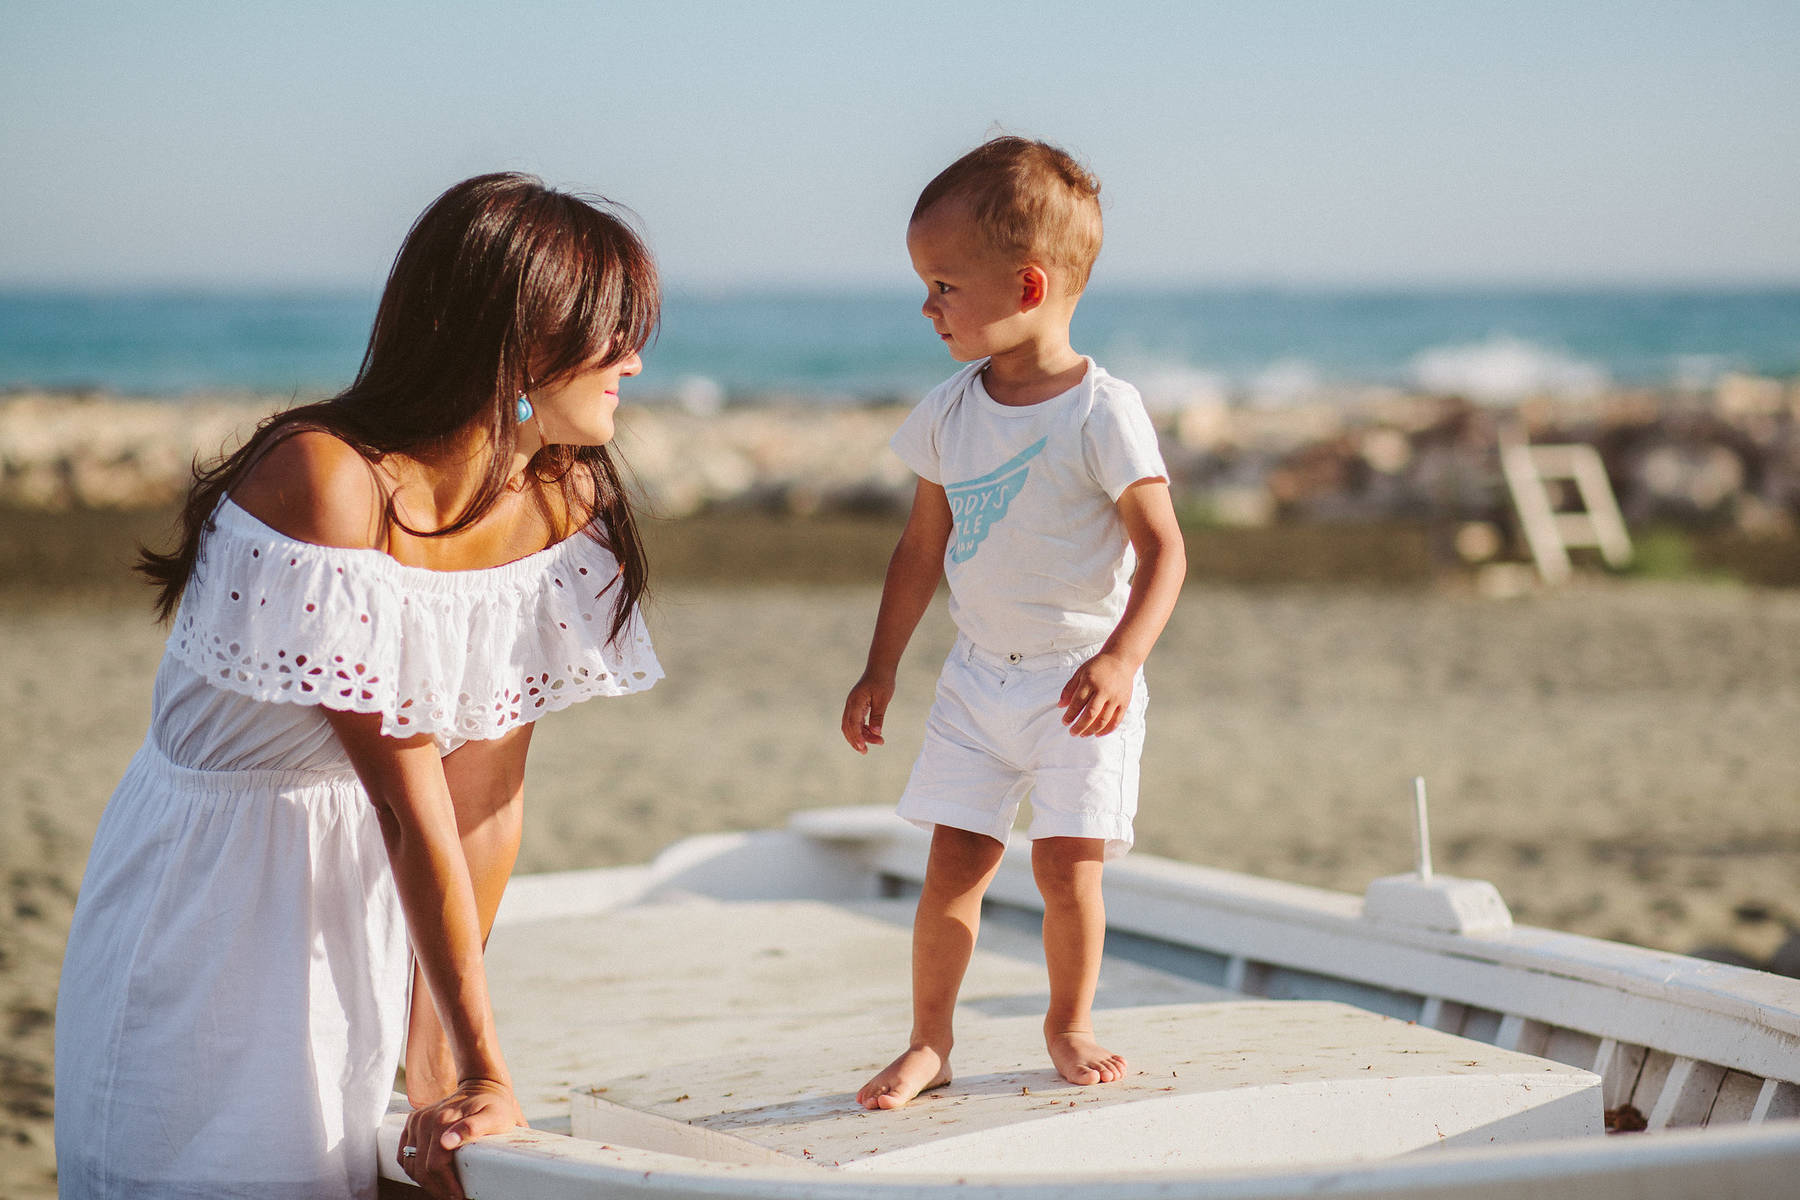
799, 461
60, 453
1727, 457
1723, 459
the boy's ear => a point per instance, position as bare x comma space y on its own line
1034, 287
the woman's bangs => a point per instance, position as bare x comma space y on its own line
626, 298
612, 304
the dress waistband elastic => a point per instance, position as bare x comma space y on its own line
193, 779
968, 651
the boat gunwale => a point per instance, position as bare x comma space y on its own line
1742, 1160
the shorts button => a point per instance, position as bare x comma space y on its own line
1013, 657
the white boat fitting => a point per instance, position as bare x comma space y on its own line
699, 1026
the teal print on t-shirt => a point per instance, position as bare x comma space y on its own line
975, 504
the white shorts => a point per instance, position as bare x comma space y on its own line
995, 734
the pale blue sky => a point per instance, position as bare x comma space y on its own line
782, 143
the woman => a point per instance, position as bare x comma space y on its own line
373, 600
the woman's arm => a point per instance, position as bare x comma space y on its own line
487, 792
407, 783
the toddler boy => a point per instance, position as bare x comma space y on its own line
1040, 487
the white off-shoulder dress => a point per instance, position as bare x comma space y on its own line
234, 992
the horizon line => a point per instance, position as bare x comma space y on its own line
834, 287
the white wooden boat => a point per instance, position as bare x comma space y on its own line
698, 1027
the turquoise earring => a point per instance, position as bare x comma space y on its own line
524, 408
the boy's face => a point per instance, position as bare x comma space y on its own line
974, 297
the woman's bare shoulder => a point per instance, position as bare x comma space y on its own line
315, 487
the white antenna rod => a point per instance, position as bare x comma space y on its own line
1424, 829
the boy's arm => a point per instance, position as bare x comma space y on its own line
912, 579
1099, 692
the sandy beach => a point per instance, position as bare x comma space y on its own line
1618, 757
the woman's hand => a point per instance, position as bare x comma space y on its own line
477, 1108
430, 1061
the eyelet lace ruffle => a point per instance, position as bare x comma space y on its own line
460, 655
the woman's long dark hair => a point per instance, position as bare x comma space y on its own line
502, 284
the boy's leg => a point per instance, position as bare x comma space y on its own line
961, 866
1068, 873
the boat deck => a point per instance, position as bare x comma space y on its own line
701, 1023
739, 1031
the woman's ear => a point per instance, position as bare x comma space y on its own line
1034, 287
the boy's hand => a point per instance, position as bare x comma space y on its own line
1097, 695
864, 710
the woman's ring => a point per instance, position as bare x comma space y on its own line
408, 1151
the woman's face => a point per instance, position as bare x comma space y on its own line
578, 409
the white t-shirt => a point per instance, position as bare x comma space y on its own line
1039, 559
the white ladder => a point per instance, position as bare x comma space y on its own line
1549, 533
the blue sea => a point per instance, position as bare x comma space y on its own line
836, 347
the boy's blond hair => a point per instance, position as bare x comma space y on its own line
1030, 201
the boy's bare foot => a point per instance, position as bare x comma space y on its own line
920, 1069
1081, 1060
